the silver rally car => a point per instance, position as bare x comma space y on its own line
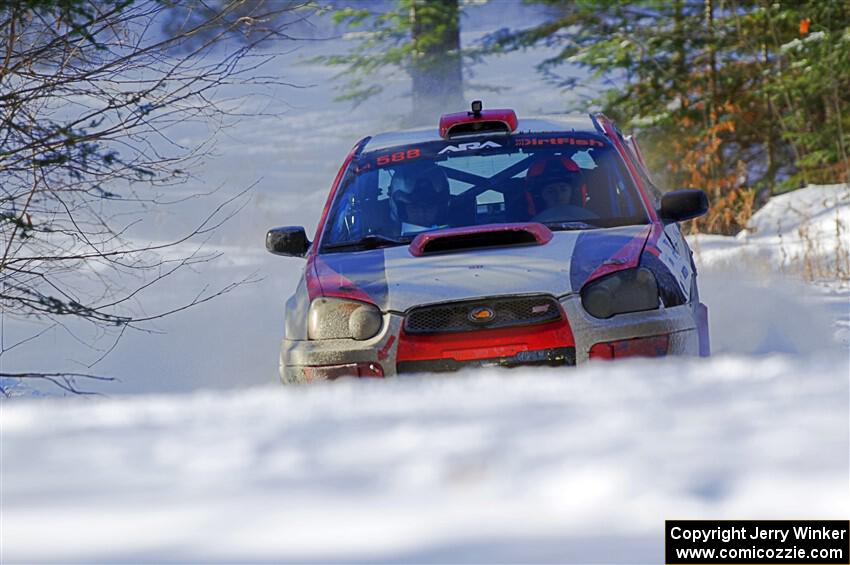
491, 241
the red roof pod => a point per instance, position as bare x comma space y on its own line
462, 123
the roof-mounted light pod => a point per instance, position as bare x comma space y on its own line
477, 122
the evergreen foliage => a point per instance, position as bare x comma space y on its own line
743, 98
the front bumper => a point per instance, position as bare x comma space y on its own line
299, 358
679, 322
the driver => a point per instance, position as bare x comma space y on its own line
558, 192
555, 187
419, 197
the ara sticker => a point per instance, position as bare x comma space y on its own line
471, 146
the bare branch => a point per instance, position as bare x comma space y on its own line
90, 95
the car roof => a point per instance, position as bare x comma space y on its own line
543, 124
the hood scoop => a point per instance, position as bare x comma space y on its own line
479, 237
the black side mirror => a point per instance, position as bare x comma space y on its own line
680, 205
290, 241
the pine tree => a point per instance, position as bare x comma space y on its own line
743, 98
420, 37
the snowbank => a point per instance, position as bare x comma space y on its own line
523, 466
804, 233
759, 284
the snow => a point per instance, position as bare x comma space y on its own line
805, 232
197, 454
480, 467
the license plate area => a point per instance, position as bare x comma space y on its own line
554, 357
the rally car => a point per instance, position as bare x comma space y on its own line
491, 241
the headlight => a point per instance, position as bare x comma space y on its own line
632, 290
337, 318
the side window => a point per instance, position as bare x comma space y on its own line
346, 225
625, 203
651, 189
655, 194
363, 206
622, 197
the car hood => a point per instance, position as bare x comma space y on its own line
395, 280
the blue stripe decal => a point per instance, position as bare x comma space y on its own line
366, 269
595, 247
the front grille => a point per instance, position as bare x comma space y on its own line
506, 312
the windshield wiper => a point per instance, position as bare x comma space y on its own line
566, 226
372, 241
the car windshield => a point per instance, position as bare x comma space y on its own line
566, 181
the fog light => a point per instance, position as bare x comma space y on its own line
655, 346
333, 372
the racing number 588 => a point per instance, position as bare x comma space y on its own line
398, 156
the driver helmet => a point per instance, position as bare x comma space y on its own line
550, 171
418, 191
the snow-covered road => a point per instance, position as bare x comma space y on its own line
526, 466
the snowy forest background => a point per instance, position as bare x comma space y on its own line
147, 146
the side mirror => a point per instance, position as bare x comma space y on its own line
290, 241
680, 205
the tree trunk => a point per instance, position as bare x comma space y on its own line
770, 128
712, 62
681, 80
436, 67
711, 106
842, 149
790, 110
